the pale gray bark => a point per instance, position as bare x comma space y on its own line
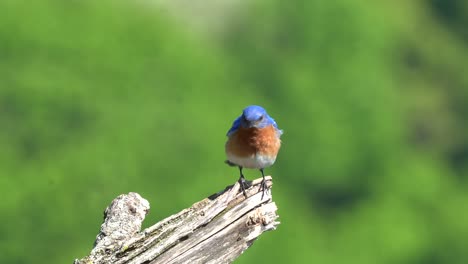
215, 230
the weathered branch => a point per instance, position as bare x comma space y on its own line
215, 230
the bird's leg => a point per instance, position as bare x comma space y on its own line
263, 185
242, 181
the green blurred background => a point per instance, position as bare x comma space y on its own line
99, 98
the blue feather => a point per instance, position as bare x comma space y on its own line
235, 126
251, 117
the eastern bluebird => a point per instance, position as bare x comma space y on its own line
253, 142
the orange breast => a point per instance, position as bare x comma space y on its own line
250, 141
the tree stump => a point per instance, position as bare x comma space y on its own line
215, 230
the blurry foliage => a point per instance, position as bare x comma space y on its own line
102, 98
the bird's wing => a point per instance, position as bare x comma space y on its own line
279, 131
235, 126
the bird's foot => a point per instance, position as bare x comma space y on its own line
243, 185
263, 187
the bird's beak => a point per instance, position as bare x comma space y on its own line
246, 123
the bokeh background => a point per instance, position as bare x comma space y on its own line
99, 98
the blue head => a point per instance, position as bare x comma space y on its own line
253, 116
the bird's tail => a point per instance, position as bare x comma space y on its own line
230, 163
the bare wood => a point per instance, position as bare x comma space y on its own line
215, 230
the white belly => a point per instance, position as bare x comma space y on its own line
253, 162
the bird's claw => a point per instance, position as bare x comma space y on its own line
242, 184
263, 187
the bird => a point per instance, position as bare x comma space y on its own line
253, 142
